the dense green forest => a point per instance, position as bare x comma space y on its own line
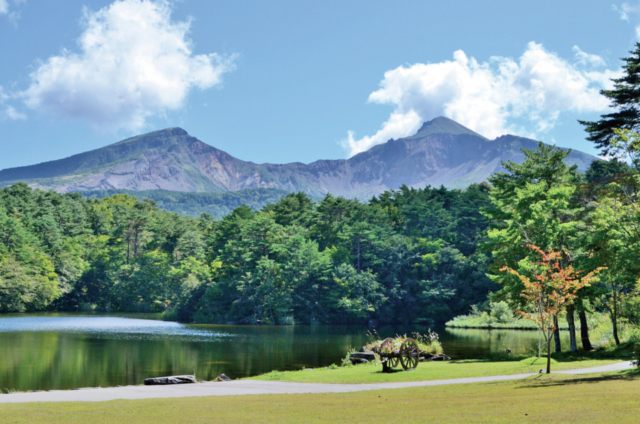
406, 256
194, 204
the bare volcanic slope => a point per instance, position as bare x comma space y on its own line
442, 152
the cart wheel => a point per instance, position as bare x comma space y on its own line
409, 354
393, 362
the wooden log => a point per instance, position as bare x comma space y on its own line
369, 356
174, 379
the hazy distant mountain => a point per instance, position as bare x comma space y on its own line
442, 152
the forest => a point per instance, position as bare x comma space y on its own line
196, 203
404, 256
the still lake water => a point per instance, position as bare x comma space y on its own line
63, 351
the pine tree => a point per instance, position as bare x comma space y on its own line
625, 97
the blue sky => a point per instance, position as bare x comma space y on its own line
275, 81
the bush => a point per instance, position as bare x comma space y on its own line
499, 315
636, 352
87, 307
501, 312
346, 361
170, 315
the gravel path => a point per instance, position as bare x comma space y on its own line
255, 387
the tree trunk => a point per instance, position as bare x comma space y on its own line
572, 327
549, 355
556, 334
614, 317
539, 343
584, 331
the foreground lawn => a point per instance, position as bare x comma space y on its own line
370, 373
611, 397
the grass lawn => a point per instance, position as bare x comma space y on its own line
369, 373
608, 398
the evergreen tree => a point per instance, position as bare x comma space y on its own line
625, 98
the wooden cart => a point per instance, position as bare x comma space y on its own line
408, 355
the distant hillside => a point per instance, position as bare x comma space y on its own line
442, 152
195, 204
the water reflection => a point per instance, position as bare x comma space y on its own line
62, 351
473, 343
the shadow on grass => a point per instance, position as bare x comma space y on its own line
394, 371
540, 381
623, 352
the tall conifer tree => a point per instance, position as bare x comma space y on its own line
625, 98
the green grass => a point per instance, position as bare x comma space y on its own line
606, 398
471, 321
369, 373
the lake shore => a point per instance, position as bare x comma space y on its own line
269, 386
600, 397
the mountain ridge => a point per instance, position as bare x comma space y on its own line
442, 152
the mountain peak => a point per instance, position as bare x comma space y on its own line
443, 152
442, 125
165, 133
173, 131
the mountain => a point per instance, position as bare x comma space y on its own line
442, 152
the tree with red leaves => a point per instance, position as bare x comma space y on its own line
549, 286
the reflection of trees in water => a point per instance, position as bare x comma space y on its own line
258, 350
470, 343
39, 360
25, 359
49, 360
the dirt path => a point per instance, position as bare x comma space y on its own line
256, 387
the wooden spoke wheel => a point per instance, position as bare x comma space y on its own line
393, 361
409, 354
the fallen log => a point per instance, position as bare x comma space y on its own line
174, 379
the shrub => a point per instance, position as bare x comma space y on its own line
501, 312
87, 307
170, 315
346, 361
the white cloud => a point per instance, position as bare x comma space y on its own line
12, 113
9, 111
626, 10
12, 14
586, 58
133, 62
489, 97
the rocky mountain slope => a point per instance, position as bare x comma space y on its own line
442, 152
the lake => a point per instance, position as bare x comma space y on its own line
47, 351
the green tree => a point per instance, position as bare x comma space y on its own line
624, 99
533, 203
